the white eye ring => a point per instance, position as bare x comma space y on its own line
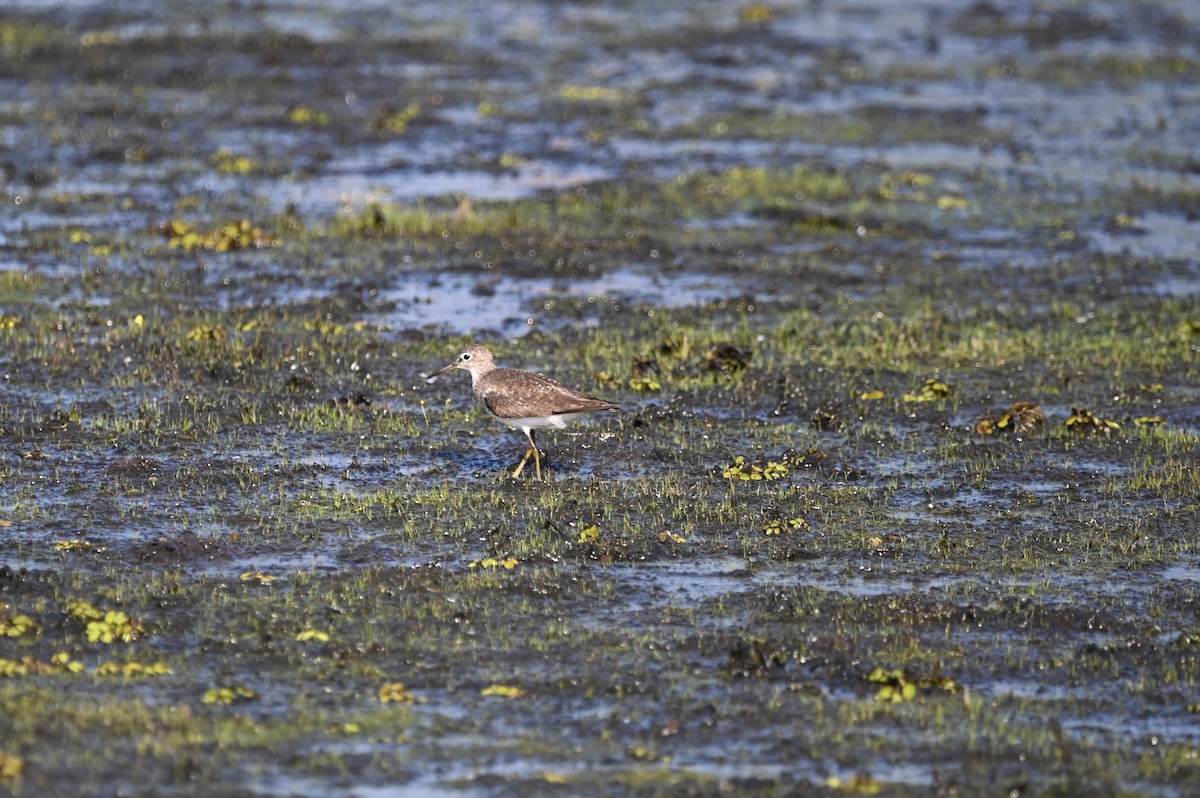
465, 356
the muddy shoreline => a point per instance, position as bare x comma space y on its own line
900, 304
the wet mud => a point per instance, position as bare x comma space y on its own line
899, 302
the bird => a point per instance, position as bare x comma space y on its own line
523, 400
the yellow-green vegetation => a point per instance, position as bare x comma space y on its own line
10, 766
931, 390
17, 35
315, 635
900, 500
395, 122
744, 470
229, 695
132, 669
16, 624
503, 691
28, 666
899, 685
235, 235
231, 163
1021, 418
396, 693
114, 626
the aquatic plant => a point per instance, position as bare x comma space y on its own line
257, 577
312, 635
743, 469
304, 115
1021, 418
1084, 422
83, 610
931, 390
78, 545
394, 122
899, 685
28, 666
231, 163
779, 525
17, 625
235, 235
396, 693
507, 563
589, 534
229, 695
114, 626
859, 783
131, 669
644, 384
11, 766
503, 691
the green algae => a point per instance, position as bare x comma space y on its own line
236, 447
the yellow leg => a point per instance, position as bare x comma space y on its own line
524, 460
537, 458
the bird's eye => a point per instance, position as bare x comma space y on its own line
465, 356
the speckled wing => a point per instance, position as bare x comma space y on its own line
509, 393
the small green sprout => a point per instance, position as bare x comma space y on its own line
872, 396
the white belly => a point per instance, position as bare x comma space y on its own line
541, 422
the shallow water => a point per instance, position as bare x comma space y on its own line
186, 442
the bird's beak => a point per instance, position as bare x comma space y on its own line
444, 369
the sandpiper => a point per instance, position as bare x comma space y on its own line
522, 399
